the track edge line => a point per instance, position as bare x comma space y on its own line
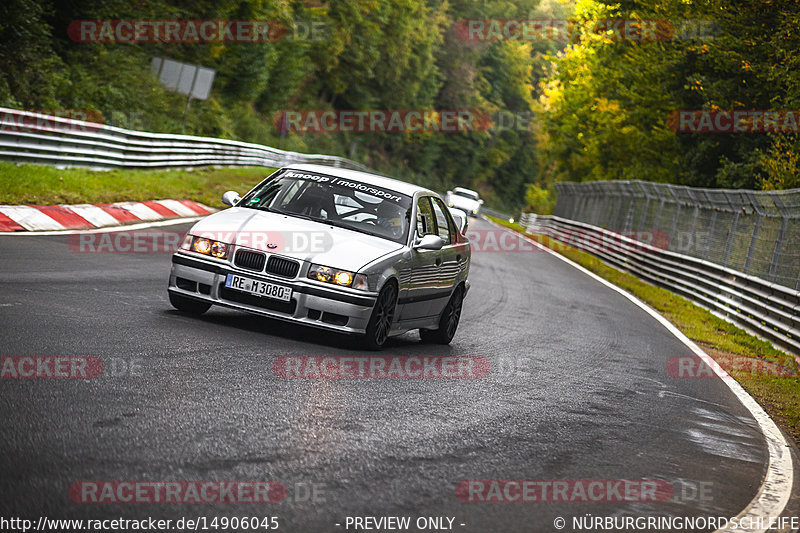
776, 487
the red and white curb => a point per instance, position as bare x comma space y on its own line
14, 218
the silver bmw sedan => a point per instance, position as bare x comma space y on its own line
330, 248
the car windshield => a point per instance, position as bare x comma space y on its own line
466, 194
336, 201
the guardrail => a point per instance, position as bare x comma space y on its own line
755, 232
45, 139
492, 212
527, 219
768, 309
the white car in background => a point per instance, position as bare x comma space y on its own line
464, 199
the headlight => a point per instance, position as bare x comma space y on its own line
343, 278
219, 250
204, 246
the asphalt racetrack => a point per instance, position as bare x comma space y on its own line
578, 390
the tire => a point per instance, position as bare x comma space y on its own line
188, 305
380, 323
448, 321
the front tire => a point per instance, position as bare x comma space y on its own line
188, 305
380, 323
448, 321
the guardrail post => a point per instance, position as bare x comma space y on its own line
674, 227
695, 211
607, 199
598, 199
612, 214
568, 203
756, 227
628, 224
729, 242
657, 220
710, 233
581, 206
752, 247
776, 253
646, 207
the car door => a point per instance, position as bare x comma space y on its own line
423, 283
449, 268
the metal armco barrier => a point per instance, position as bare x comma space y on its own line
492, 212
44, 139
29, 137
768, 309
754, 232
527, 220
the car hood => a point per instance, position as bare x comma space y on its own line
298, 238
464, 203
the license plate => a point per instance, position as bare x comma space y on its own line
259, 288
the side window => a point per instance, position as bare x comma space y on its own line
425, 220
443, 225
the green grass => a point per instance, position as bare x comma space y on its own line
45, 185
780, 396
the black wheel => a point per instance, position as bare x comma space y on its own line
188, 305
380, 323
448, 322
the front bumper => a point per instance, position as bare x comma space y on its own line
340, 310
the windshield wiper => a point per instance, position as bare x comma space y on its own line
298, 215
353, 228
331, 222
259, 207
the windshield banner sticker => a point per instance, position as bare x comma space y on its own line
355, 185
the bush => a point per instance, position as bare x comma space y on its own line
540, 201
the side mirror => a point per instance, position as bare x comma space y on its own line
429, 242
231, 198
480, 202
460, 219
